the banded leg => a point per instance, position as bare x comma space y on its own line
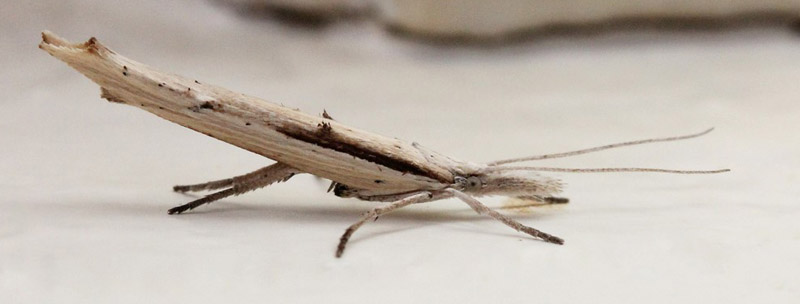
241, 184
483, 209
375, 213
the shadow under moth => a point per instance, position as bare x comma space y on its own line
360, 164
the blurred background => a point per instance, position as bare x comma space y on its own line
86, 184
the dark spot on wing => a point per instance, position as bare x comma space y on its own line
325, 137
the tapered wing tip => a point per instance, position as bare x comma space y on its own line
54, 44
48, 36
49, 39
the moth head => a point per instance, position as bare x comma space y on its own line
507, 184
497, 178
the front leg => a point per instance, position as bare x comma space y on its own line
483, 209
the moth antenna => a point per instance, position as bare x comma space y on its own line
605, 170
599, 148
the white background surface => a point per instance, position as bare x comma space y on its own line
85, 183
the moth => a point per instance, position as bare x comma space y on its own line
360, 164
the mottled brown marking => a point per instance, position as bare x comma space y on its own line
331, 140
341, 190
91, 45
325, 128
207, 105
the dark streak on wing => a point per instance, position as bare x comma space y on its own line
327, 138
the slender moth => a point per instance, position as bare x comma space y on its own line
360, 164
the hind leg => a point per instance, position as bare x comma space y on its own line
237, 185
223, 183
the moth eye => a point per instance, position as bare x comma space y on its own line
474, 182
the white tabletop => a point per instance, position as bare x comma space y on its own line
86, 184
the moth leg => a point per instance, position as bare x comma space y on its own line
228, 182
483, 209
421, 197
204, 200
265, 177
